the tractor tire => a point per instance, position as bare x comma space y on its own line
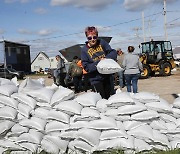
165, 69
146, 72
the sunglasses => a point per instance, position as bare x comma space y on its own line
90, 37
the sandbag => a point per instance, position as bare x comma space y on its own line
88, 99
108, 66
62, 94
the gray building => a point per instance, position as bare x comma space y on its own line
15, 55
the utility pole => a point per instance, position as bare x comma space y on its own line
165, 21
143, 27
137, 31
149, 28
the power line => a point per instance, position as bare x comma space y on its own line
102, 27
173, 20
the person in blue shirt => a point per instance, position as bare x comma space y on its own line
92, 53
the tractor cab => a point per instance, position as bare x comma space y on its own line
157, 56
157, 50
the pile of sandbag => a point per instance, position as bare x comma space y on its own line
35, 117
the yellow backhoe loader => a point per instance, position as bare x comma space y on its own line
156, 56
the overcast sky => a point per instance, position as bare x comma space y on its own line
51, 25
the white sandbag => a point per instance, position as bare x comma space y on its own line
178, 122
171, 125
70, 107
8, 90
104, 123
58, 116
40, 112
35, 123
41, 95
55, 126
20, 117
1, 105
24, 109
176, 102
10, 145
88, 99
8, 101
30, 84
175, 144
44, 105
167, 117
140, 145
80, 145
15, 81
4, 81
101, 105
176, 112
23, 98
173, 137
120, 99
158, 125
146, 97
122, 117
159, 107
131, 109
112, 134
117, 143
142, 132
32, 136
108, 66
7, 112
53, 87
2, 150
26, 151
61, 144
49, 147
145, 115
6, 125
68, 134
87, 114
160, 138
29, 146
120, 125
78, 124
18, 129
171, 131
111, 112
159, 147
91, 136
62, 94
132, 124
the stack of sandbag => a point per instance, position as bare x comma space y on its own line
35, 117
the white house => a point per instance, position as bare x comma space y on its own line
41, 62
176, 52
53, 62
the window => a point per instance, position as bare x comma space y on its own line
18, 51
167, 46
36, 67
41, 58
25, 52
9, 51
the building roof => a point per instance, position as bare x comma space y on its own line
45, 55
13, 42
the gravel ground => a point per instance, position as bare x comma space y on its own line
166, 87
